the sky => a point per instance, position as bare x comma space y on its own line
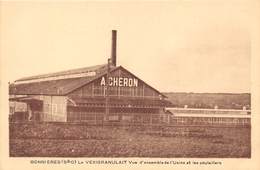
173, 46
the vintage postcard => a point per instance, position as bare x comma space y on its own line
149, 84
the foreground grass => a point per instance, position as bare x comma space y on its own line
86, 141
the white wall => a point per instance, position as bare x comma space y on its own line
54, 108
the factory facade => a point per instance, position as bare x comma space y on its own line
94, 95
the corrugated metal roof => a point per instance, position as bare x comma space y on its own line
67, 72
55, 87
61, 86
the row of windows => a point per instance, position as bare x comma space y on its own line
85, 117
209, 120
113, 110
209, 111
119, 91
116, 91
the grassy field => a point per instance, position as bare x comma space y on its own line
50, 140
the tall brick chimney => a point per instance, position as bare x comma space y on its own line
113, 51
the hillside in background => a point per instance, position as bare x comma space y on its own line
210, 100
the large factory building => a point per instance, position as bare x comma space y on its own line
94, 95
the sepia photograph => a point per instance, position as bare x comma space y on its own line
105, 110
127, 79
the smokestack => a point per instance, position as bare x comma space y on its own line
113, 52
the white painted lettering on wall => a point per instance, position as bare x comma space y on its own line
120, 81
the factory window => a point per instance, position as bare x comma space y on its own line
12, 110
180, 120
137, 119
113, 118
147, 119
99, 91
126, 118
54, 108
235, 120
113, 91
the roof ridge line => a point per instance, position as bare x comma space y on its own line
63, 73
